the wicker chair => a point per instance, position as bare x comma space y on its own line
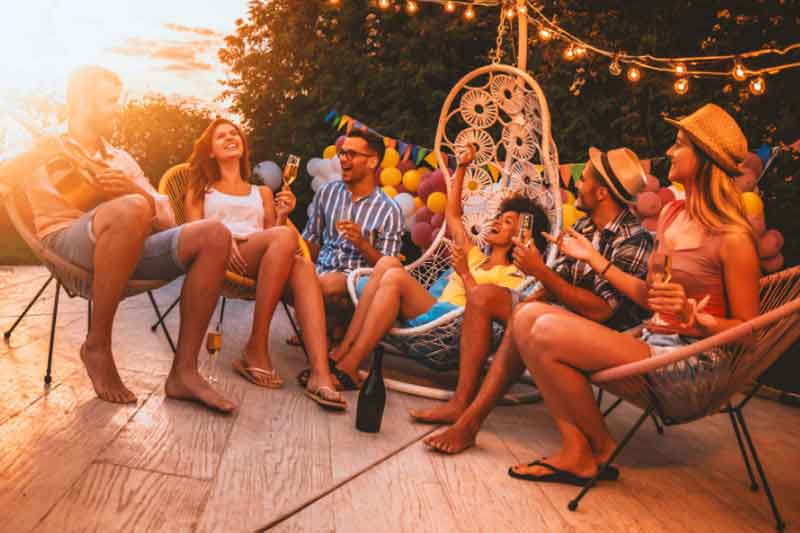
75, 281
174, 183
502, 111
723, 365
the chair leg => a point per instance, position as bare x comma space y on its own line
745, 457
296, 330
573, 504
164, 315
600, 398
659, 427
612, 407
221, 314
8, 333
48, 377
780, 525
161, 320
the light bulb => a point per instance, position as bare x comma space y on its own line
580, 51
510, 12
739, 73
758, 86
333, 2
469, 13
523, 9
680, 69
411, 7
569, 53
450, 7
634, 74
681, 86
384, 4
614, 68
545, 34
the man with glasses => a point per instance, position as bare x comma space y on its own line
352, 224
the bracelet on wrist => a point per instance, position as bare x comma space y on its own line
605, 269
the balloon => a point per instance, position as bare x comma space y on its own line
770, 244
340, 141
390, 191
425, 189
325, 170
437, 220
667, 195
390, 158
648, 204
569, 215
753, 204
437, 181
567, 197
336, 169
418, 202
652, 184
313, 166
424, 215
411, 180
746, 182
772, 264
329, 152
406, 203
758, 224
650, 224
422, 234
269, 173
405, 166
316, 183
752, 162
437, 201
391, 176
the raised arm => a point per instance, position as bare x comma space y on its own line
454, 210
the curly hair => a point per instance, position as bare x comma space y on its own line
522, 204
203, 169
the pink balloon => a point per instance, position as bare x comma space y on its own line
746, 182
422, 234
772, 264
405, 166
652, 184
340, 141
770, 244
437, 182
666, 196
650, 223
423, 215
401, 188
425, 189
648, 204
753, 162
437, 220
759, 227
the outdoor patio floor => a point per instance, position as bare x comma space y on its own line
69, 461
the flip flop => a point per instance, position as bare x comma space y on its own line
327, 397
611, 473
273, 380
345, 381
303, 377
294, 340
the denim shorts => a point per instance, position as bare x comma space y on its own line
661, 343
159, 259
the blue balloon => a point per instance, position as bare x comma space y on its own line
764, 152
269, 174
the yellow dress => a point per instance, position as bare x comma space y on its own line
507, 276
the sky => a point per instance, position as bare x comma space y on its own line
164, 46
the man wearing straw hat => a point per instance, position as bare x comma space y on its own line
610, 182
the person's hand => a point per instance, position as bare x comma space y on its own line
467, 156
670, 298
236, 261
285, 202
573, 244
527, 258
458, 259
115, 183
352, 232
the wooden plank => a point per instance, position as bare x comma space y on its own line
48, 446
115, 498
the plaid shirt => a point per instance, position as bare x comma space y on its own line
627, 245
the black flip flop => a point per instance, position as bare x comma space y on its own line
303, 377
611, 473
345, 381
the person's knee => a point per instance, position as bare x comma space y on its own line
130, 213
386, 263
215, 236
482, 297
283, 236
333, 286
547, 336
394, 278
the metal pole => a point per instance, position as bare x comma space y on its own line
522, 17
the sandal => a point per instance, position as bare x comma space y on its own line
294, 340
252, 374
610, 473
303, 377
345, 381
327, 397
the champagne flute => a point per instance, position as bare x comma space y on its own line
290, 170
213, 346
660, 271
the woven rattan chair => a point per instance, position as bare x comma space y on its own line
75, 281
724, 365
503, 112
174, 183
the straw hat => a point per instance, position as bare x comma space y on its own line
621, 170
717, 135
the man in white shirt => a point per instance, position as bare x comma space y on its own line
130, 235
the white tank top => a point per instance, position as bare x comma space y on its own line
242, 215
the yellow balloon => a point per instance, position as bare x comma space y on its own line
753, 204
411, 180
390, 191
570, 197
493, 171
329, 152
678, 186
390, 158
418, 203
391, 176
569, 215
437, 201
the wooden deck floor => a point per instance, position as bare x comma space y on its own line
71, 462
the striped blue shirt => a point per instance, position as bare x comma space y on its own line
380, 219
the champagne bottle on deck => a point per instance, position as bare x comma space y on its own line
372, 397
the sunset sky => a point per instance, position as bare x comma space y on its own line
166, 46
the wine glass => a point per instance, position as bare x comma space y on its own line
213, 346
660, 272
290, 170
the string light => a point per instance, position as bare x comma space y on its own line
510, 12
680, 70
450, 7
758, 86
523, 9
384, 4
580, 51
411, 7
739, 73
469, 13
614, 67
681, 86
634, 74
545, 34
569, 53
333, 2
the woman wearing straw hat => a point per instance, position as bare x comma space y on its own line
704, 246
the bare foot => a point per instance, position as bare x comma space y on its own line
580, 466
441, 414
190, 386
453, 440
105, 378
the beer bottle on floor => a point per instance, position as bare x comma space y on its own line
372, 397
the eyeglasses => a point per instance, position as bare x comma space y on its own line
350, 154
